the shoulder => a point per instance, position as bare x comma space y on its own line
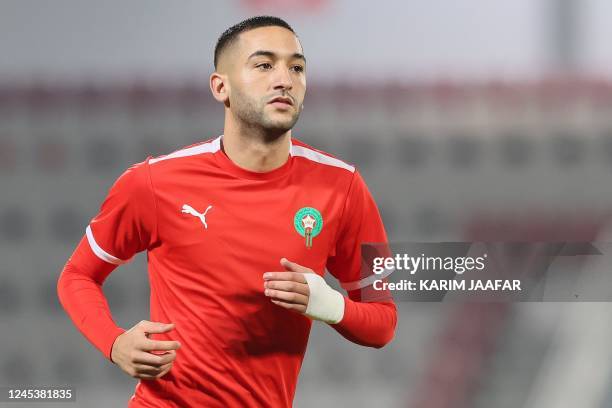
196, 150
138, 176
320, 159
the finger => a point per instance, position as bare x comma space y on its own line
165, 367
146, 377
155, 327
153, 360
284, 276
164, 371
149, 345
288, 297
153, 370
290, 306
146, 370
288, 286
294, 267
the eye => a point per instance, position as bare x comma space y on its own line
264, 66
298, 68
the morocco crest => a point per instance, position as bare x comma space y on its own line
308, 223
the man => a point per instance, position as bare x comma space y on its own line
239, 230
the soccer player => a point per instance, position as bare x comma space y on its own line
239, 231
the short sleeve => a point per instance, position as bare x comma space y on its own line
126, 222
361, 223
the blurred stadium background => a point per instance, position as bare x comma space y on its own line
470, 120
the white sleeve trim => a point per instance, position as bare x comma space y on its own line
315, 156
367, 281
100, 253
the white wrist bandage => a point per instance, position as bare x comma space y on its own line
324, 303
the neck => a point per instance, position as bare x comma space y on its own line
254, 150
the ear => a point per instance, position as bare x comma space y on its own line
218, 87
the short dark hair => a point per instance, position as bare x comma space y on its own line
231, 34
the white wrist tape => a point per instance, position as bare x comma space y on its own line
324, 303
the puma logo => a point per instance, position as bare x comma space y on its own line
187, 209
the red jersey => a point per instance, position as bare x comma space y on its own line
211, 229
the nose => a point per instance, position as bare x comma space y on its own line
282, 79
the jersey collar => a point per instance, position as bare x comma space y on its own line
227, 164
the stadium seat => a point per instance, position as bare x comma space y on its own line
16, 368
412, 152
10, 298
568, 150
68, 369
361, 151
66, 224
464, 151
516, 150
47, 296
102, 154
15, 223
52, 155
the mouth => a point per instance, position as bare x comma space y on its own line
281, 101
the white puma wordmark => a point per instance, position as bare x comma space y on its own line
187, 209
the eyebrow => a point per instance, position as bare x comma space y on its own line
271, 54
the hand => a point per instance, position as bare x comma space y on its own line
301, 290
288, 289
140, 356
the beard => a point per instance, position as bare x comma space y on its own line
252, 114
